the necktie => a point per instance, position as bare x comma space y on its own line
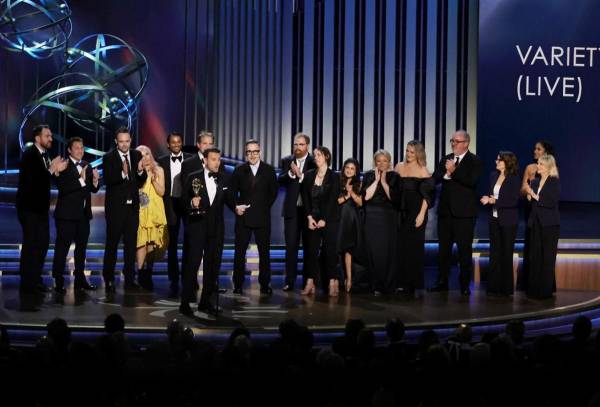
176, 158
457, 160
46, 159
127, 163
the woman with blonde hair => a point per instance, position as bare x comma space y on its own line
544, 223
153, 235
418, 196
380, 191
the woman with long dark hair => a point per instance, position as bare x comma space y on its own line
503, 199
320, 188
350, 239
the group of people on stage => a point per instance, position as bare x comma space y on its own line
373, 227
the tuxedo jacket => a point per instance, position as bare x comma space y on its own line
165, 163
33, 193
459, 194
292, 185
213, 213
507, 203
259, 191
328, 209
118, 189
74, 201
546, 208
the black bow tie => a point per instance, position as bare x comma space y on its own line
79, 163
214, 175
175, 158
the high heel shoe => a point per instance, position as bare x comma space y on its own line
309, 289
348, 285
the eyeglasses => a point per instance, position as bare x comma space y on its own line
453, 141
252, 152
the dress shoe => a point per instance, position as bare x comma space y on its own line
465, 292
109, 287
186, 310
222, 290
309, 289
208, 308
238, 291
131, 286
438, 287
266, 290
377, 293
288, 287
83, 284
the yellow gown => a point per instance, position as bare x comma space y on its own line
153, 221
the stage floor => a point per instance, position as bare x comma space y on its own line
150, 312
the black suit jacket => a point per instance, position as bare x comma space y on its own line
328, 209
507, 203
546, 208
292, 185
459, 194
118, 189
33, 193
165, 163
214, 218
72, 196
259, 191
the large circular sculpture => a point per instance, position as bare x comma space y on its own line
85, 101
39, 28
118, 67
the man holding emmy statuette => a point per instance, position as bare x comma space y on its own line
205, 195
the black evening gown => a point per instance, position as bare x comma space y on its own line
412, 239
351, 240
381, 229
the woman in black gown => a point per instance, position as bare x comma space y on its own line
320, 189
418, 196
380, 190
350, 234
541, 147
544, 224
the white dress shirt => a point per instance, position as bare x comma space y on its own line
254, 168
460, 158
175, 167
211, 186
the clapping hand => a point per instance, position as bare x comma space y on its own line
295, 170
95, 176
485, 200
58, 164
312, 224
450, 166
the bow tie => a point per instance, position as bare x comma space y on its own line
175, 158
79, 163
214, 175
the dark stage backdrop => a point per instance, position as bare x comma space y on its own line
539, 78
356, 75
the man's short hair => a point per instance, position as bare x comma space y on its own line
174, 134
37, 130
73, 140
251, 141
304, 136
205, 133
211, 150
122, 129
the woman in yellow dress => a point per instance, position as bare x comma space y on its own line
153, 234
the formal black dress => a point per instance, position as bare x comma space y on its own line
544, 224
503, 221
351, 240
412, 239
381, 229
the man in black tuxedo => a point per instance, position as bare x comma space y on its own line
72, 215
253, 189
124, 175
457, 210
171, 163
295, 226
205, 229
33, 202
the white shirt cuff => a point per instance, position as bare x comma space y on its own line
82, 182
